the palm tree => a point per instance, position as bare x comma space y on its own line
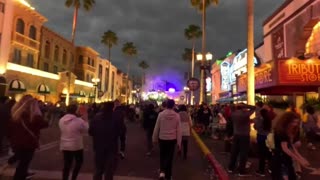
130, 50
109, 39
187, 55
250, 61
192, 33
76, 4
202, 5
143, 65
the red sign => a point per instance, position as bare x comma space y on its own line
298, 72
263, 78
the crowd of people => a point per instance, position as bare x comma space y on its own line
169, 125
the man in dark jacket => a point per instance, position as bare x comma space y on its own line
119, 116
105, 132
149, 121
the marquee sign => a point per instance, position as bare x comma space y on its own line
225, 75
294, 71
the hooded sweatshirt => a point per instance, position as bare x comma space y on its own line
72, 130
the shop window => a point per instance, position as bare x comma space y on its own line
55, 69
46, 67
17, 56
47, 50
64, 57
2, 7
20, 26
33, 32
80, 61
56, 53
30, 60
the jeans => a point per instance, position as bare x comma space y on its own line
185, 146
24, 157
105, 164
241, 147
166, 156
149, 139
264, 153
68, 157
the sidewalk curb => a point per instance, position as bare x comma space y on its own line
219, 170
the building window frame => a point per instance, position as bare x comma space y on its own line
47, 49
17, 56
30, 60
2, 7
56, 53
55, 69
20, 24
46, 66
33, 32
64, 57
80, 59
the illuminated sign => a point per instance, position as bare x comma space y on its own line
295, 72
239, 65
208, 84
225, 76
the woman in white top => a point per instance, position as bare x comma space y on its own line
71, 141
186, 124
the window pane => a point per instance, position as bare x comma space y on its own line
47, 49
20, 26
46, 67
32, 32
56, 53
55, 69
30, 59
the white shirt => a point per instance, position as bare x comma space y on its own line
168, 127
72, 130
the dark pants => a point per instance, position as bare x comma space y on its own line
264, 153
68, 157
241, 147
185, 140
149, 133
122, 142
105, 164
24, 157
166, 156
281, 167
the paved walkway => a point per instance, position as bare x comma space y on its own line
217, 147
48, 160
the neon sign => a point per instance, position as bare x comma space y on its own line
225, 76
239, 65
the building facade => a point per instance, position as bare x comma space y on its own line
41, 62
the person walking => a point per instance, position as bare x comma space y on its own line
186, 125
168, 132
241, 137
149, 121
119, 115
105, 132
285, 133
72, 129
24, 133
263, 125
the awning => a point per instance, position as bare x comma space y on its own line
17, 85
43, 89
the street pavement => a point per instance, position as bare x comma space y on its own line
48, 164
217, 148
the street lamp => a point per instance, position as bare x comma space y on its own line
95, 84
186, 91
204, 67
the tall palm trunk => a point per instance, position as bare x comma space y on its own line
74, 25
73, 35
250, 61
203, 72
192, 70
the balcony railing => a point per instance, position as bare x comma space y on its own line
90, 68
25, 40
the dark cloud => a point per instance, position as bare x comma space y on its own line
156, 27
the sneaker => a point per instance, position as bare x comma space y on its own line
122, 156
30, 175
162, 176
244, 174
259, 173
229, 171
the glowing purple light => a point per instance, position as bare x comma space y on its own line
172, 90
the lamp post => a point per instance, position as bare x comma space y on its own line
95, 81
204, 66
186, 91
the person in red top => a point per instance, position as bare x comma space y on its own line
24, 132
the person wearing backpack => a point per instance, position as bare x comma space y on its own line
263, 126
